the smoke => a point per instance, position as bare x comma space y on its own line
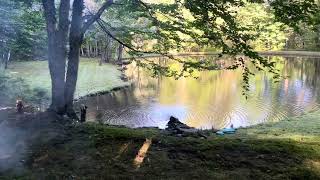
22, 136
12, 147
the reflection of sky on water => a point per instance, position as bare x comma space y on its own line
161, 113
213, 100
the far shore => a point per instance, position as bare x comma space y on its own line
310, 54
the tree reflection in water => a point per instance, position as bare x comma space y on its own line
212, 100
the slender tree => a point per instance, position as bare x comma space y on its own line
120, 52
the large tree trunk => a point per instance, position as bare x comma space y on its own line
57, 50
64, 84
75, 40
57, 71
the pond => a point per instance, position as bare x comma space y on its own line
214, 100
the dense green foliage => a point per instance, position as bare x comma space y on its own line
304, 17
176, 26
7, 28
268, 34
22, 31
30, 40
177, 30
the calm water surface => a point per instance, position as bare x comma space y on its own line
212, 100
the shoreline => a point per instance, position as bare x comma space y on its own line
282, 150
117, 88
311, 54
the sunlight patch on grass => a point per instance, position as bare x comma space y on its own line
297, 128
314, 165
92, 77
138, 160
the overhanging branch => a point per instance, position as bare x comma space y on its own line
96, 16
101, 23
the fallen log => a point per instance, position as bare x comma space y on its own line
176, 127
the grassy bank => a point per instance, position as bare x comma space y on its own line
25, 78
289, 149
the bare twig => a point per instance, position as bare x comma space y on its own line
96, 16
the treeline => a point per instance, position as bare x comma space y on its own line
103, 47
304, 41
23, 34
272, 35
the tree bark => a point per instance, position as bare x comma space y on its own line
64, 83
75, 40
57, 50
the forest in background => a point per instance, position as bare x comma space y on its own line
23, 36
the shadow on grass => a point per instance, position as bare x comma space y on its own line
226, 158
99, 152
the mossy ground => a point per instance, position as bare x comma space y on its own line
289, 149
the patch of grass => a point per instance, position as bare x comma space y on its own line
92, 77
285, 150
13, 88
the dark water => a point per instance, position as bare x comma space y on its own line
212, 100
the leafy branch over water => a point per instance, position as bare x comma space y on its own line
176, 24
